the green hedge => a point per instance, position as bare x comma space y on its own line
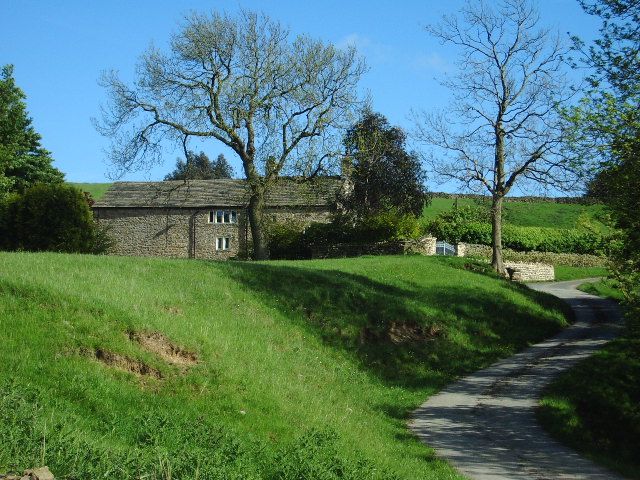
50, 217
540, 239
465, 225
296, 241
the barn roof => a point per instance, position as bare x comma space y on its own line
287, 192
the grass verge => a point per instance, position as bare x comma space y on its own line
595, 406
607, 288
564, 272
296, 369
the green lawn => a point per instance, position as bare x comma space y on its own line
305, 370
97, 190
529, 214
565, 272
606, 287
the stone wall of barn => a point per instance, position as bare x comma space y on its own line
187, 232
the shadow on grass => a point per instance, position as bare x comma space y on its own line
409, 336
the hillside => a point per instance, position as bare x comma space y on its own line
96, 190
528, 214
125, 367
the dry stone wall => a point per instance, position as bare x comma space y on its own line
530, 272
568, 259
421, 246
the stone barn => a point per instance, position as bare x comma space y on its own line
203, 218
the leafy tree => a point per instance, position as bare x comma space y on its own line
240, 80
607, 125
54, 217
383, 175
199, 167
23, 161
502, 127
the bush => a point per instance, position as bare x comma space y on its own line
375, 228
468, 225
286, 241
453, 226
296, 242
53, 217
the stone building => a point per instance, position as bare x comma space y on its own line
203, 218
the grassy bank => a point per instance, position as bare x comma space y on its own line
595, 406
565, 272
97, 190
128, 368
607, 288
528, 214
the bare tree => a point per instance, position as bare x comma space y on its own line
503, 125
275, 101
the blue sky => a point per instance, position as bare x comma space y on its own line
59, 49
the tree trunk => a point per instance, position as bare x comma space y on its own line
496, 232
256, 214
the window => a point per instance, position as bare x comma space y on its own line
223, 216
223, 243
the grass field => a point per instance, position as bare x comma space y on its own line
528, 214
564, 272
152, 368
97, 190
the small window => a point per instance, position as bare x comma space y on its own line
223, 216
223, 243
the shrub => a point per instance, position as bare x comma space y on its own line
468, 225
286, 241
54, 217
296, 242
381, 227
453, 225
7, 212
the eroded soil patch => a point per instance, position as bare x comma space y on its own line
159, 344
410, 332
126, 364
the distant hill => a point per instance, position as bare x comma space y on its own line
96, 190
529, 212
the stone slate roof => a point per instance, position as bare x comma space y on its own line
287, 192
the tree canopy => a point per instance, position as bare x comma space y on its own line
382, 174
199, 167
502, 127
276, 101
607, 126
23, 161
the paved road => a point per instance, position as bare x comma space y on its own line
485, 424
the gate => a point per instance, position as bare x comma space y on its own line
444, 248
